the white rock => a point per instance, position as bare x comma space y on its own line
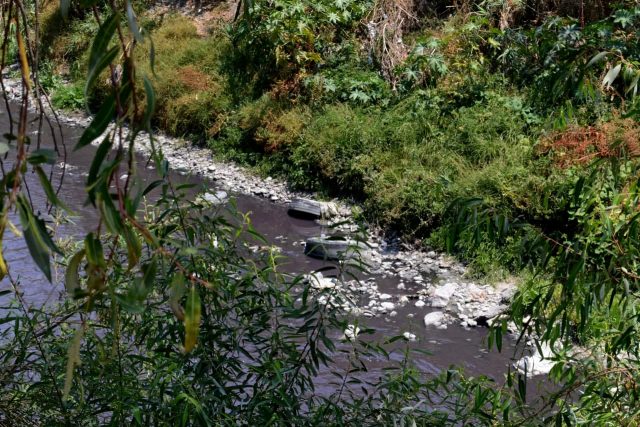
442, 294
356, 311
329, 209
409, 336
387, 305
420, 303
436, 319
318, 281
216, 198
537, 363
350, 333
403, 300
385, 296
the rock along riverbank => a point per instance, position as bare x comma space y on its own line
428, 280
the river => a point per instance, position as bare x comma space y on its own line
456, 345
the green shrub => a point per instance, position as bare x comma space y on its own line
484, 150
195, 113
348, 84
281, 130
65, 42
563, 60
281, 39
333, 148
68, 97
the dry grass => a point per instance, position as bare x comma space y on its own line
387, 23
193, 79
580, 145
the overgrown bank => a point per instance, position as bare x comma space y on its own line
507, 136
470, 111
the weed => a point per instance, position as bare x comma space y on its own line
68, 97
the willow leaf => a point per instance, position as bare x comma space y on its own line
71, 276
191, 319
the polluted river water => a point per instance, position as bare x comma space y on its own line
440, 348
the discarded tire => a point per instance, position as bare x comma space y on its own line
311, 209
333, 249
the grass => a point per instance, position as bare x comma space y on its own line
189, 84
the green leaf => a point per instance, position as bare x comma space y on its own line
38, 240
48, 189
175, 294
634, 85
133, 24
155, 184
102, 39
101, 182
522, 387
110, 213
150, 271
93, 247
151, 101
100, 56
103, 62
499, 331
71, 276
94, 169
9, 319
73, 360
99, 123
192, 319
597, 58
43, 155
134, 247
4, 148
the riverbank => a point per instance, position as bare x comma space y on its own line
428, 280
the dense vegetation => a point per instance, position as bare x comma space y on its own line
468, 110
504, 132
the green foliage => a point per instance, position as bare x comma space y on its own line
349, 85
563, 61
333, 147
65, 42
68, 97
410, 161
263, 339
264, 125
424, 65
285, 37
584, 290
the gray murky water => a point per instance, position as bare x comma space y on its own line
454, 346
